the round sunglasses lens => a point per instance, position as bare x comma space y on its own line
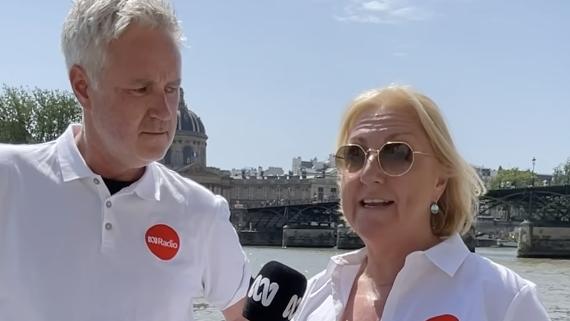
396, 158
350, 158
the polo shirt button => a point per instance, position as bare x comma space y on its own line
96, 181
108, 226
108, 204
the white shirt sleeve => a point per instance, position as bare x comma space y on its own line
226, 271
526, 306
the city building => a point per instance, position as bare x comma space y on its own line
311, 167
485, 174
247, 187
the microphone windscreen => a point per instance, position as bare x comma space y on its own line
275, 293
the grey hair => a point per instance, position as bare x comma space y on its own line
92, 24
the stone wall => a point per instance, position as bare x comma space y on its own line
318, 237
261, 238
544, 241
495, 228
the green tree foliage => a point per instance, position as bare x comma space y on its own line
511, 178
35, 116
561, 175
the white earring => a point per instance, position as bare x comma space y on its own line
434, 208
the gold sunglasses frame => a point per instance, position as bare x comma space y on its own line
377, 151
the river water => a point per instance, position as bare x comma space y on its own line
551, 276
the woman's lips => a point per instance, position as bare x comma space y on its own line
375, 203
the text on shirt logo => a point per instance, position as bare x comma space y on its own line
162, 241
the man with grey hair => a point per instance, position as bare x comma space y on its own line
91, 226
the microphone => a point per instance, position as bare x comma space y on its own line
275, 293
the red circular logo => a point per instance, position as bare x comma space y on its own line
445, 317
162, 240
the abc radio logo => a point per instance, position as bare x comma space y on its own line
264, 291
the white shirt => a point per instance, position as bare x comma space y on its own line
444, 280
70, 251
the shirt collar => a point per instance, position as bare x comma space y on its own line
148, 186
72, 164
448, 255
350, 258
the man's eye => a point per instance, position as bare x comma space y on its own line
171, 90
140, 90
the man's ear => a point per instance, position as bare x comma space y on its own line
80, 84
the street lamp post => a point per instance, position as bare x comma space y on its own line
530, 190
533, 163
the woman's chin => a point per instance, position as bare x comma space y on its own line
374, 227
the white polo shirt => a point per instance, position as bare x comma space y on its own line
70, 251
444, 283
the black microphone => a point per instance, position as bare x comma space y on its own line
275, 293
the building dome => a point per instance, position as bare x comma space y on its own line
188, 121
190, 141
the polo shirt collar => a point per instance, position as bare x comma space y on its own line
148, 186
72, 164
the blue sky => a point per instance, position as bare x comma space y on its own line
270, 79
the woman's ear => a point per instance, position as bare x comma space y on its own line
439, 188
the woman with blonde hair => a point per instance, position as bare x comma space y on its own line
409, 195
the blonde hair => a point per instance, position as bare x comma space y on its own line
459, 201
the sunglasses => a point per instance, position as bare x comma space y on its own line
394, 158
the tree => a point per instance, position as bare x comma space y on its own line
37, 116
511, 178
561, 175
54, 111
15, 116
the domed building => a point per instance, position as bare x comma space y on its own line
187, 154
190, 141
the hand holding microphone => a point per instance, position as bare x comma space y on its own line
275, 293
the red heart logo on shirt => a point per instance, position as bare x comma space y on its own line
445, 317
